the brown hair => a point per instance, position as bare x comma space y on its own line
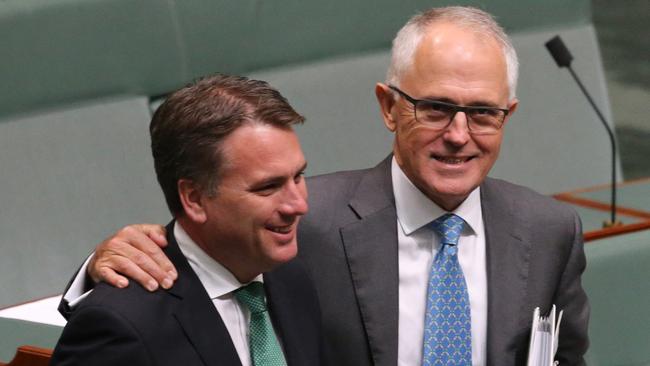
188, 129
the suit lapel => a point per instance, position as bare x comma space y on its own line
196, 314
507, 268
371, 250
286, 324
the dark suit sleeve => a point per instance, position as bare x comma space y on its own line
95, 336
64, 308
572, 299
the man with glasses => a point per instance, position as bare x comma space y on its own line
423, 259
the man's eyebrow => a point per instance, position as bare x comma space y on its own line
477, 103
439, 99
481, 103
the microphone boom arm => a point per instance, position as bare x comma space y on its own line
563, 58
612, 139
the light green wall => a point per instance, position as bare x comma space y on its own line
56, 52
69, 178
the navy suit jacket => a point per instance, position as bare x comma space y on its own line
181, 326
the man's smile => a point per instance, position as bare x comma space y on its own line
452, 160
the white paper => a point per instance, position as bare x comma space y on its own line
40, 311
544, 335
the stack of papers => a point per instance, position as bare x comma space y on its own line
544, 335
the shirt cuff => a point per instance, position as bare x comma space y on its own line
81, 286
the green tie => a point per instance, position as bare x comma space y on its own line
264, 347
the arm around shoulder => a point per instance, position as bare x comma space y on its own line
135, 252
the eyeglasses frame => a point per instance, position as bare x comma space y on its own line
455, 108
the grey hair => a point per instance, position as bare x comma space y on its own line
408, 38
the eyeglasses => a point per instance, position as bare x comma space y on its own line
480, 120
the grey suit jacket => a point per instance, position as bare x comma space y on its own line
348, 240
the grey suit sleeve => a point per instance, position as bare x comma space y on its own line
572, 299
95, 336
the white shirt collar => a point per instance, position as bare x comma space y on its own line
217, 280
415, 210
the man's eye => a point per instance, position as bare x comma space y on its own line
299, 177
437, 107
485, 112
266, 189
433, 112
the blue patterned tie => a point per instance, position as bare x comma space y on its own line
447, 325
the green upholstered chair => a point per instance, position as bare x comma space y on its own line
617, 283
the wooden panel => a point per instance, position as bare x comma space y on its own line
30, 356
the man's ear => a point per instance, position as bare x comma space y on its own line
512, 107
386, 99
191, 195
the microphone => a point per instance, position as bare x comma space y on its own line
560, 53
563, 58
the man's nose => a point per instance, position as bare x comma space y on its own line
457, 132
295, 200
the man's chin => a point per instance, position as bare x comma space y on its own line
449, 193
283, 253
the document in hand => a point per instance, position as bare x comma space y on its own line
544, 336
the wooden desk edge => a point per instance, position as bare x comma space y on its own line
572, 198
617, 230
30, 356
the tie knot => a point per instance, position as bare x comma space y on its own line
448, 227
252, 296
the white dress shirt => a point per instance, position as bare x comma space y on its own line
417, 246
